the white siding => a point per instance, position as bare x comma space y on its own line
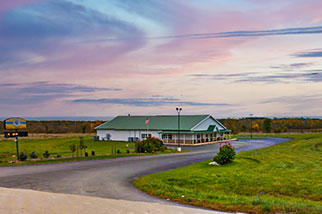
123, 135
205, 124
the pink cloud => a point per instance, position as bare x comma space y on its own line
9, 5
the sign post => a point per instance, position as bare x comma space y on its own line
11, 126
16, 140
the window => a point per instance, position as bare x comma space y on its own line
146, 135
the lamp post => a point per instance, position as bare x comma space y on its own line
251, 126
179, 110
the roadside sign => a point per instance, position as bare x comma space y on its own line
8, 134
14, 128
15, 123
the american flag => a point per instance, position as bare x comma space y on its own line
147, 120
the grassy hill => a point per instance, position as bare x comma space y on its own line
284, 178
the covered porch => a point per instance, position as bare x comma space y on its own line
196, 137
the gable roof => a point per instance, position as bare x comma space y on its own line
159, 122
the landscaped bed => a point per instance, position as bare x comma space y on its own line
60, 151
282, 178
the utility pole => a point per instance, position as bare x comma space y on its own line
179, 110
251, 126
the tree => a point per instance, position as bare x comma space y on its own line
255, 127
73, 149
243, 128
267, 125
82, 145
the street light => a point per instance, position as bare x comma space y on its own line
179, 110
251, 126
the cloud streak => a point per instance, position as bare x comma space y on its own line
147, 102
309, 54
301, 100
257, 77
246, 33
38, 92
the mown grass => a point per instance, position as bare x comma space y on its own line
285, 178
60, 146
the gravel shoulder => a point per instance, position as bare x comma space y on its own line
34, 202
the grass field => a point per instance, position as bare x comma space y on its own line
286, 178
59, 145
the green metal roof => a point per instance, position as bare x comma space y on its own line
160, 122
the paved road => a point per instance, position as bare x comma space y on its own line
111, 178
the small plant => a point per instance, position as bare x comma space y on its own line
226, 154
82, 146
118, 151
86, 154
46, 154
22, 156
73, 149
33, 155
128, 151
93, 153
58, 156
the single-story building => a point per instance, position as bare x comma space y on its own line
193, 129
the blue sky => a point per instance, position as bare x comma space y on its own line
108, 58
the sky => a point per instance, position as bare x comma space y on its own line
227, 58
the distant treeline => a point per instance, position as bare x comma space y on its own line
60, 126
276, 125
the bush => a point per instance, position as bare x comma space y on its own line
58, 156
46, 154
128, 151
118, 151
93, 153
277, 130
33, 155
149, 145
86, 154
22, 156
225, 155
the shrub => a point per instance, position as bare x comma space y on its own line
86, 154
22, 156
33, 155
225, 155
73, 149
127, 151
118, 151
93, 153
58, 156
46, 154
149, 145
277, 130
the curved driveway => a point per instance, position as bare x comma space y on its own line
111, 178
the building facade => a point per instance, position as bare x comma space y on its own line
193, 129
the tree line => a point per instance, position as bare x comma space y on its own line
276, 125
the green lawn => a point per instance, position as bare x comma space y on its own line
285, 178
60, 146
